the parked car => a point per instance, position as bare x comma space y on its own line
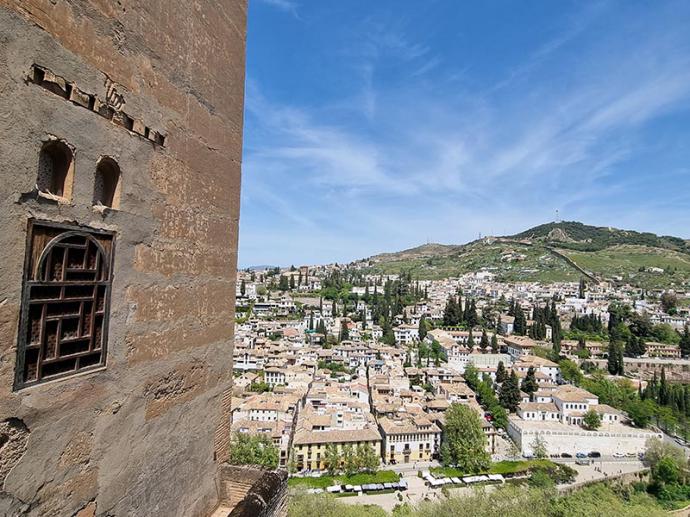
566, 455
583, 461
594, 454
581, 455
618, 455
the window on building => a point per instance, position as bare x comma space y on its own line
65, 304
106, 189
55, 169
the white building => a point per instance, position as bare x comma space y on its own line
557, 420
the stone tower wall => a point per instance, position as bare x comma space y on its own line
157, 86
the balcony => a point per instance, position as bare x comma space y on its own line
251, 492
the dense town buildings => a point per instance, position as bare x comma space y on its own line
365, 380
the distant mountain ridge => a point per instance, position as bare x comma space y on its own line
562, 251
579, 236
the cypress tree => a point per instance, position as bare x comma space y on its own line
484, 342
529, 384
494, 344
466, 312
612, 362
470, 340
685, 342
344, 331
473, 319
520, 325
663, 388
449, 313
501, 374
422, 328
509, 396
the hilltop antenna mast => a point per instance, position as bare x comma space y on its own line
558, 217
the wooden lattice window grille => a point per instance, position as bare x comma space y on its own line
65, 304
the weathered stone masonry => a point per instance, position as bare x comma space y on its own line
154, 90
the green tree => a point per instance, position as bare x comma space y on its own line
422, 328
501, 374
349, 459
520, 323
669, 302
510, 393
615, 363
685, 342
464, 441
437, 352
470, 340
583, 286
283, 284
640, 412
450, 313
253, 449
367, 458
243, 287
529, 383
570, 371
657, 450
494, 344
665, 333
539, 448
484, 342
592, 420
332, 459
472, 318
344, 331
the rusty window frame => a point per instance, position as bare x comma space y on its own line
44, 240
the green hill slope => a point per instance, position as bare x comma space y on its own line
553, 252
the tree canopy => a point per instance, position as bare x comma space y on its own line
247, 449
464, 441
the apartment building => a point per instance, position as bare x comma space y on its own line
409, 439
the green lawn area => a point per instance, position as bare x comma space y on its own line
382, 476
502, 467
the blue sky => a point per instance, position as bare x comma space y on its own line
374, 126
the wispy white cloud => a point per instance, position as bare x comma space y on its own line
284, 5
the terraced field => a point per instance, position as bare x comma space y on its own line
635, 264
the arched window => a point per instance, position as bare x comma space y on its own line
106, 189
66, 302
56, 169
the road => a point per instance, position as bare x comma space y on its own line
672, 440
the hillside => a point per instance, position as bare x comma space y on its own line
581, 237
552, 252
